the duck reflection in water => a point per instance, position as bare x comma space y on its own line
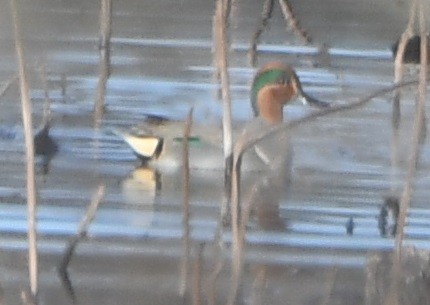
45, 146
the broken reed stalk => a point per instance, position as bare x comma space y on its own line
417, 129
29, 152
7, 85
266, 14
211, 286
185, 204
82, 228
398, 77
220, 24
396, 271
197, 276
259, 285
293, 22
104, 68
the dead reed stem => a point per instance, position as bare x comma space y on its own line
82, 228
197, 276
293, 22
104, 67
258, 286
417, 129
219, 263
398, 77
408, 188
185, 205
7, 85
222, 45
266, 14
29, 152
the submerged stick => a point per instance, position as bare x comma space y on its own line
7, 85
104, 68
29, 152
185, 205
82, 228
197, 276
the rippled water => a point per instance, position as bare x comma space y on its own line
161, 60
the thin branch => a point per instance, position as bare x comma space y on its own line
293, 22
197, 276
185, 205
29, 144
398, 77
417, 129
266, 14
83, 227
7, 84
243, 145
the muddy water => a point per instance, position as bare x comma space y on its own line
161, 64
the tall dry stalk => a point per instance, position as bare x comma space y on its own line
221, 47
185, 205
104, 67
398, 77
408, 188
417, 129
29, 152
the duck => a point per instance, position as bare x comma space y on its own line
158, 141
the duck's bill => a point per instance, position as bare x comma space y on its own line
307, 99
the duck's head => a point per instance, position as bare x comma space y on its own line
274, 85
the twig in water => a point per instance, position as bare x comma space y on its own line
29, 152
104, 68
185, 204
81, 233
219, 263
7, 85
